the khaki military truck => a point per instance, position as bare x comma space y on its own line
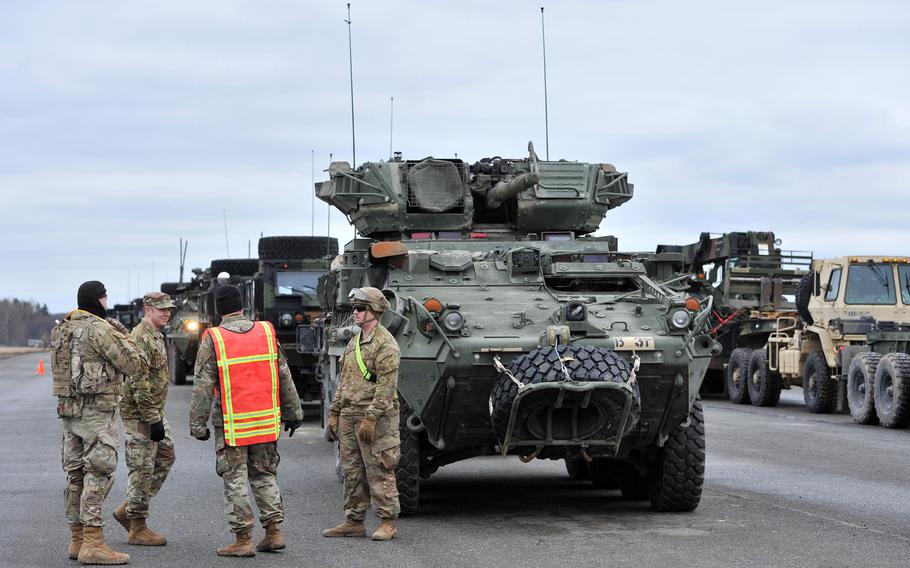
849, 346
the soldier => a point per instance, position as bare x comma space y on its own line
237, 367
364, 419
89, 356
148, 443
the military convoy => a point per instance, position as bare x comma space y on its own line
520, 334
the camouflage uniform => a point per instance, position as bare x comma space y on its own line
256, 464
144, 395
369, 468
98, 356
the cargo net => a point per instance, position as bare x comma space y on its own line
435, 186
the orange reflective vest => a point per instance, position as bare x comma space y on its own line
248, 373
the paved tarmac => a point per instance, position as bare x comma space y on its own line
784, 488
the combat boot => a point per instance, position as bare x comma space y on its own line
242, 545
75, 542
95, 551
349, 527
141, 535
120, 516
274, 539
386, 530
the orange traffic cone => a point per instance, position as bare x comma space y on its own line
40, 370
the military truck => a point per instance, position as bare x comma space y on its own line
128, 314
850, 345
754, 284
286, 283
520, 333
240, 272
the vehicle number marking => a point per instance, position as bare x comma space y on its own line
633, 343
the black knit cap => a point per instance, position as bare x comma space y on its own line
89, 297
228, 300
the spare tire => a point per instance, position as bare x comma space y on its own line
584, 363
803, 292
170, 288
297, 247
235, 266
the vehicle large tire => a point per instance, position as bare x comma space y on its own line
176, 365
861, 387
680, 472
584, 363
408, 472
170, 288
803, 292
297, 247
764, 384
235, 266
738, 375
819, 389
892, 390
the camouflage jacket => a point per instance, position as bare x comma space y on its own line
356, 395
205, 380
98, 357
144, 392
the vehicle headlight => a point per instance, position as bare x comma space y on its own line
286, 320
681, 319
453, 321
191, 325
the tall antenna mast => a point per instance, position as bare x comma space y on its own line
227, 247
391, 123
182, 257
546, 117
351, 69
328, 225
313, 189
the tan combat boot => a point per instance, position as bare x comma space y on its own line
349, 527
242, 545
386, 530
95, 551
75, 542
144, 536
120, 516
274, 539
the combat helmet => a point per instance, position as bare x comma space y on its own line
372, 297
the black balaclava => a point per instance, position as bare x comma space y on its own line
89, 297
228, 300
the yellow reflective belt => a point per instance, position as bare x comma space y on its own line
228, 403
254, 433
367, 376
257, 414
255, 423
247, 359
273, 367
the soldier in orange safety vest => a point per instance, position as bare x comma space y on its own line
242, 369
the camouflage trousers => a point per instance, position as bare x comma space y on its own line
148, 463
256, 465
89, 458
369, 469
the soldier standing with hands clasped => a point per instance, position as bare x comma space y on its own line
148, 443
89, 356
241, 367
364, 419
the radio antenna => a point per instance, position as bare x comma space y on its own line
546, 117
351, 70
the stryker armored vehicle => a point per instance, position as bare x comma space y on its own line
520, 334
184, 329
286, 282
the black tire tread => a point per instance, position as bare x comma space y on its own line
803, 293
863, 366
680, 473
407, 475
235, 266
898, 364
739, 358
826, 401
768, 392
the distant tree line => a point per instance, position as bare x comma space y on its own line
23, 320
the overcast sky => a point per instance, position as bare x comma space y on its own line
127, 125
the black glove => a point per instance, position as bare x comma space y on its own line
205, 436
156, 431
290, 426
